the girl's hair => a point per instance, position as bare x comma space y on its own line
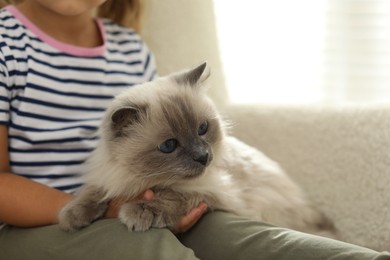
124, 12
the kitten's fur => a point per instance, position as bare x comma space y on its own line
211, 167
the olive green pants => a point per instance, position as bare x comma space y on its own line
216, 236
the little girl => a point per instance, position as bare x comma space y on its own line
59, 69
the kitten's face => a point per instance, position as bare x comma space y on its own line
166, 130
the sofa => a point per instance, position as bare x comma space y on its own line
340, 155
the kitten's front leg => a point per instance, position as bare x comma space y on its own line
83, 210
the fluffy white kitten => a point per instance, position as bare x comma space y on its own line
167, 136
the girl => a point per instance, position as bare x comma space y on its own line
59, 68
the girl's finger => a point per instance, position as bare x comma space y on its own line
146, 195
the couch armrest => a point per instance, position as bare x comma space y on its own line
340, 156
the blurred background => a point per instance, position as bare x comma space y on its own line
305, 51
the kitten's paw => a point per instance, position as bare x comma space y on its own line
135, 217
72, 218
76, 216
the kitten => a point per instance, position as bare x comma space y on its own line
166, 135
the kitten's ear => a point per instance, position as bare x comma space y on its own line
194, 77
124, 116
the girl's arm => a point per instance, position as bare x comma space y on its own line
26, 203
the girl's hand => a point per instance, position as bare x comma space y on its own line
184, 224
190, 219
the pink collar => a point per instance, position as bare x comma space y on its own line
66, 48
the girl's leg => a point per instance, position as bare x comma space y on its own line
220, 235
104, 239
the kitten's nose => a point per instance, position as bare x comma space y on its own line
201, 158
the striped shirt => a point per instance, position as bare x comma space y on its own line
53, 95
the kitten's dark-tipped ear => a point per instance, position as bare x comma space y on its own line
124, 116
195, 76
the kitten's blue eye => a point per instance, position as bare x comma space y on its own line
168, 146
203, 128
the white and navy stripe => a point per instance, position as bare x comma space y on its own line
53, 96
